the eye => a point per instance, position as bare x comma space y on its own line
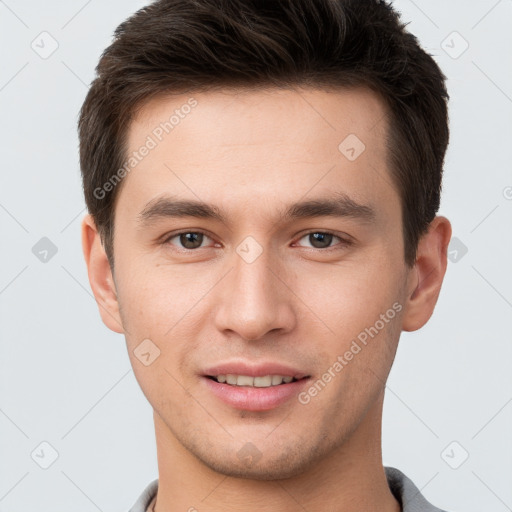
189, 240
323, 239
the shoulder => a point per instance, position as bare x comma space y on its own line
145, 498
406, 492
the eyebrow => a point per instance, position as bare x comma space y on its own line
338, 205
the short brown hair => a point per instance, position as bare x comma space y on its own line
178, 46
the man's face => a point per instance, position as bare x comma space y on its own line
258, 286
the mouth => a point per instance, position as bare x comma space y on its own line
254, 382
257, 394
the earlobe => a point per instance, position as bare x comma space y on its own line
428, 274
100, 275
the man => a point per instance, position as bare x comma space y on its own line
262, 180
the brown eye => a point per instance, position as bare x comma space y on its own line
191, 240
322, 239
187, 239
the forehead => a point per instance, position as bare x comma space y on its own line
356, 110
234, 146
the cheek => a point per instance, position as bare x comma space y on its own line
151, 312
360, 312
148, 290
347, 297
163, 304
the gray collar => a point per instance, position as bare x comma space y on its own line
404, 490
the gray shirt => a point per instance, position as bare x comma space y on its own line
404, 490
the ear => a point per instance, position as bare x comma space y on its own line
426, 276
100, 275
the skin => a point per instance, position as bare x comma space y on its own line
251, 153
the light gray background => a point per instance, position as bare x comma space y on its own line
66, 380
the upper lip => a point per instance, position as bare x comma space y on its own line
254, 370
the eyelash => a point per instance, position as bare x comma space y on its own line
344, 242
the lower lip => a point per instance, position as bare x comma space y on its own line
255, 399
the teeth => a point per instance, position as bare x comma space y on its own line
256, 382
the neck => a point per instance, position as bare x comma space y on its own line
352, 477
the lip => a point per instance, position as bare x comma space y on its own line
253, 370
254, 399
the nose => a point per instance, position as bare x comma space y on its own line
255, 299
